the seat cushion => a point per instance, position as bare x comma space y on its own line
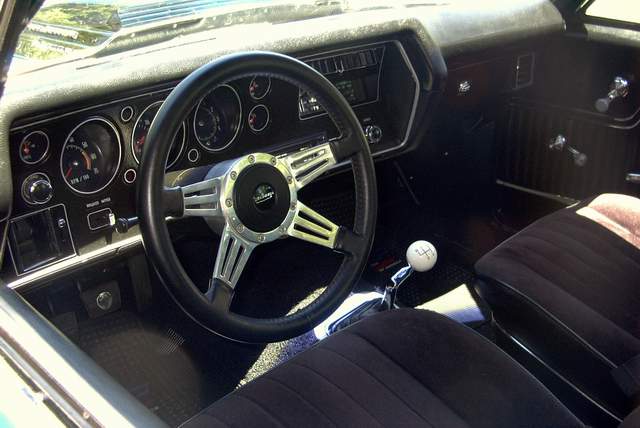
400, 368
581, 265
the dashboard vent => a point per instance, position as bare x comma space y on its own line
524, 70
347, 62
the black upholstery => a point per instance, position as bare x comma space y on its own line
568, 287
575, 266
399, 368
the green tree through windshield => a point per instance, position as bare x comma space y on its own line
63, 28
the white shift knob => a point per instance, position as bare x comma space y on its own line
422, 256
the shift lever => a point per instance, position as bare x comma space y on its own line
421, 257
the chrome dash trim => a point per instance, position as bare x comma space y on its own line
73, 262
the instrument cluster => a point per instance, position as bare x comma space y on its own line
75, 169
100, 147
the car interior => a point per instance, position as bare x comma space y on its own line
385, 214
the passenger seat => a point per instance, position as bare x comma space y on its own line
568, 288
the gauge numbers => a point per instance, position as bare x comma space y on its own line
91, 156
218, 118
141, 129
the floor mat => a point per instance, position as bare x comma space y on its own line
423, 287
150, 363
172, 376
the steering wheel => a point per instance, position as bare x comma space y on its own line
255, 197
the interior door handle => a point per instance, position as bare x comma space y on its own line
619, 88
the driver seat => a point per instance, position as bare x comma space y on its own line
405, 367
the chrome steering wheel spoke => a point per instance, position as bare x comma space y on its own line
233, 253
311, 226
307, 165
200, 199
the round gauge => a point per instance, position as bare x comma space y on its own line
258, 118
141, 129
259, 87
217, 119
34, 147
91, 156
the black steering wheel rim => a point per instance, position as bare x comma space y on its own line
152, 196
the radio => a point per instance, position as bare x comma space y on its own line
356, 74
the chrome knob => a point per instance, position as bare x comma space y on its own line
559, 143
36, 189
373, 134
619, 88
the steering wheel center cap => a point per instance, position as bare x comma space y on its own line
260, 197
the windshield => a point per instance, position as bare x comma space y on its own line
69, 29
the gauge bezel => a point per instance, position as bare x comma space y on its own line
265, 94
266, 125
119, 146
133, 133
46, 152
235, 136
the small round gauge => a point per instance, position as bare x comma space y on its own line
258, 118
34, 147
141, 129
217, 119
91, 156
259, 87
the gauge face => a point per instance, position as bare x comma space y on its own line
91, 156
258, 118
259, 87
217, 119
141, 129
34, 147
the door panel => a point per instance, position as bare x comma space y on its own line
527, 129
571, 73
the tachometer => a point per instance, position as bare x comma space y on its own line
218, 118
141, 129
91, 156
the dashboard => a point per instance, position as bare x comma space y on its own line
75, 170
72, 134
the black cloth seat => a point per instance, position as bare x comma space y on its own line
400, 368
568, 287
581, 265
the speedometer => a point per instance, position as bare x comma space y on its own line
91, 156
141, 129
218, 117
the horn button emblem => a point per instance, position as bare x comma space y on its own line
261, 197
264, 197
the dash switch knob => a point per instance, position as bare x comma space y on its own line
373, 134
36, 189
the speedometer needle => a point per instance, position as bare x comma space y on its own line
68, 173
